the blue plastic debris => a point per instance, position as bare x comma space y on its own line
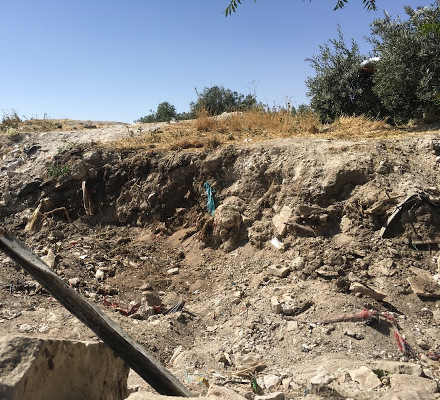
210, 192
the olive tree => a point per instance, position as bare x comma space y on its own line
407, 78
216, 100
340, 87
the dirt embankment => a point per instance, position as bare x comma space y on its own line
295, 241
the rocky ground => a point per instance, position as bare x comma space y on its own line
317, 276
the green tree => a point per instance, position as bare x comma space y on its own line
407, 78
165, 113
368, 4
339, 87
217, 99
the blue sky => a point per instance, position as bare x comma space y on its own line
117, 59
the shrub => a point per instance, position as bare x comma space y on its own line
165, 113
339, 88
10, 121
407, 78
217, 100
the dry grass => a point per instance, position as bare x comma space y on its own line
252, 126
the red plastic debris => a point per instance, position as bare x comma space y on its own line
116, 307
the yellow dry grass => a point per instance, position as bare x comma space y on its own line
253, 126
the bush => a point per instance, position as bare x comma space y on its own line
10, 121
165, 113
339, 88
217, 100
407, 78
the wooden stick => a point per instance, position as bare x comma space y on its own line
111, 334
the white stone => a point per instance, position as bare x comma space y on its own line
278, 270
100, 275
366, 378
173, 271
270, 381
25, 328
322, 378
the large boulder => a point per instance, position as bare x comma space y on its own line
42, 369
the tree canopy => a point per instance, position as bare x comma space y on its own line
402, 82
216, 100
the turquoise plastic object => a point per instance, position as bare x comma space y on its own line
211, 197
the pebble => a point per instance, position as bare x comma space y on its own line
355, 335
275, 305
43, 329
322, 378
297, 264
173, 271
278, 270
270, 381
100, 275
74, 282
305, 348
25, 328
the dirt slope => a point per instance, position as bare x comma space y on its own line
310, 210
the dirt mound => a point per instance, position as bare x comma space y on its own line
305, 231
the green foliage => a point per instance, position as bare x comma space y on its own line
12, 132
10, 120
407, 78
368, 4
338, 87
233, 6
56, 170
165, 113
216, 100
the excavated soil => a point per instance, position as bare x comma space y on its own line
333, 218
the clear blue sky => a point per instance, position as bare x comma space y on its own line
117, 59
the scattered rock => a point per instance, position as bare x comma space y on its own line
74, 282
366, 378
173, 271
269, 381
275, 305
397, 367
424, 387
25, 328
49, 258
297, 264
355, 335
281, 220
422, 283
277, 244
151, 299
358, 287
100, 275
322, 378
278, 270
245, 361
